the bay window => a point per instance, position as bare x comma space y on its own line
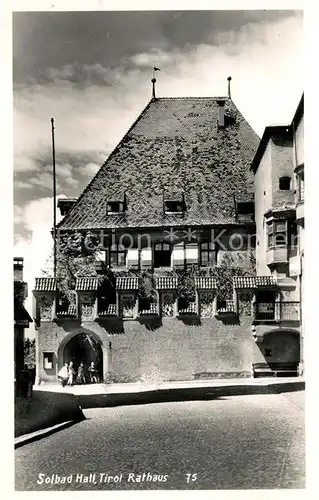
277, 233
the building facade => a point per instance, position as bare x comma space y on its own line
22, 320
156, 261
279, 187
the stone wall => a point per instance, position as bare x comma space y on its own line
167, 349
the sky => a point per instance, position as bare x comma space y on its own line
91, 71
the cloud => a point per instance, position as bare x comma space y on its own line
37, 217
94, 106
22, 185
90, 169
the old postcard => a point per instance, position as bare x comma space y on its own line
159, 249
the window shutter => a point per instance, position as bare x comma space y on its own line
132, 257
178, 256
146, 257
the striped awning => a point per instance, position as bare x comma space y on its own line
166, 282
127, 283
205, 282
45, 285
86, 284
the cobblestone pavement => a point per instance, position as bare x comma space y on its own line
234, 442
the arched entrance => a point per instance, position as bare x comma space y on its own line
281, 346
83, 348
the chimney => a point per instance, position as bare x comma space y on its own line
221, 113
18, 268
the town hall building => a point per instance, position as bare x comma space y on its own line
156, 260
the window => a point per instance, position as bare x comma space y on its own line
207, 255
48, 360
277, 234
245, 212
118, 256
115, 207
162, 255
106, 297
191, 254
285, 183
267, 353
292, 238
174, 206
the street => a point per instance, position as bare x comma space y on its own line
233, 442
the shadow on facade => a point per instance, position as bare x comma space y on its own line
189, 320
229, 320
112, 326
151, 324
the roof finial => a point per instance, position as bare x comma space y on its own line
229, 79
153, 91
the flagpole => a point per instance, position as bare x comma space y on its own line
54, 199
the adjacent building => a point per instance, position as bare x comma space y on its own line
279, 196
22, 320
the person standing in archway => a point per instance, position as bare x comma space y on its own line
81, 375
63, 375
71, 373
93, 373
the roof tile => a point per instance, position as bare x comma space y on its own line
127, 283
166, 282
205, 282
45, 285
252, 282
86, 284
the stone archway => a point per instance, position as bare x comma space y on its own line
281, 345
83, 346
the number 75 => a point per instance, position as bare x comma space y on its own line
191, 477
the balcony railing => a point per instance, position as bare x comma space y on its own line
66, 310
107, 310
188, 309
151, 310
277, 311
226, 307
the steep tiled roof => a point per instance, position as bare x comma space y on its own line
127, 283
205, 282
166, 282
86, 284
174, 145
45, 285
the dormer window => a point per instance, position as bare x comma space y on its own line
285, 183
245, 212
174, 206
115, 207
